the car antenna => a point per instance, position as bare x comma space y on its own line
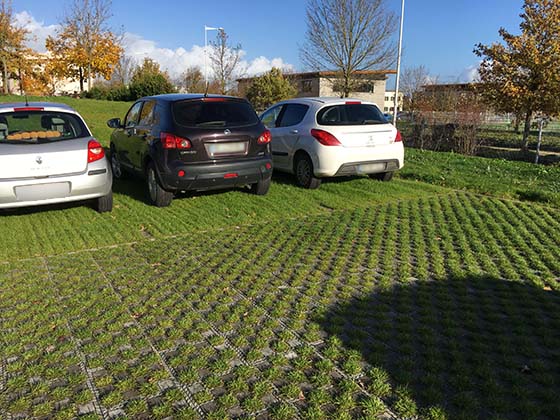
206, 92
26, 100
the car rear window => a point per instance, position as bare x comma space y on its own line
25, 127
350, 114
214, 113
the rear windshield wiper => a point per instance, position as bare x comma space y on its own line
212, 124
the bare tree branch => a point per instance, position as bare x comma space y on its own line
225, 61
348, 36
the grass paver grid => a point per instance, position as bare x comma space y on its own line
431, 305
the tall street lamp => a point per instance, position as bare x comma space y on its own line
396, 103
206, 29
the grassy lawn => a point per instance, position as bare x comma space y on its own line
434, 296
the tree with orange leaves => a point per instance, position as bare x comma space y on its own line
85, 47
12, 44
522, 75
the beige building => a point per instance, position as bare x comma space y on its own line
57, 86
369, 84
389, 103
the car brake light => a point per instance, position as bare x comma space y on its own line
95, 151
265, 137
353, 103
171, 141
325, 138
214, 99
29, 108
398, 136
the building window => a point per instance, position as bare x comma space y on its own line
386, 109
366, 87
306, 86
356, 86
386, 100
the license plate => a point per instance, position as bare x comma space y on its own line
229, 148
42, 191
370, 168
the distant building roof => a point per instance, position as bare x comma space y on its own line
451, 87
329, 73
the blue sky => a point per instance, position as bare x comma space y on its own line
439, 34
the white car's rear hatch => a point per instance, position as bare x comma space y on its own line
364, 135
43, 160
39, 143
356, 124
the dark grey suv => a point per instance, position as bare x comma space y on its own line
195, 142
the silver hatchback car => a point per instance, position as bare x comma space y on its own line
48, 155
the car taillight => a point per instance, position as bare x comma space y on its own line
95, 151
171, 141
264, 138
398, 137
325, 138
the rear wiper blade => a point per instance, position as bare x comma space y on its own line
212, 124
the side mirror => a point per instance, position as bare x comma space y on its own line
114, 123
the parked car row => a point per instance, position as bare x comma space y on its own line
179, 142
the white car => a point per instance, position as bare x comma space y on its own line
47, 155
315, 138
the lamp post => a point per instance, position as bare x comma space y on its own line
206, 29
396, 103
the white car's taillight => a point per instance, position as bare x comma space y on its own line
95, 151
325, 138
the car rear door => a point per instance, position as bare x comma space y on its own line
287, 133
123, 138
142, 134
270, 119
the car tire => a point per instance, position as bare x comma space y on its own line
303, 169
156, 194
104, 204
116, 167
383, 176
261, 187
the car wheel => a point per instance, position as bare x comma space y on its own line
383, 176
116, 166
104, 204
261, 187
304, 173
156, 194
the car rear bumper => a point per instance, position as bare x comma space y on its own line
215, 176
342, 161
94, 183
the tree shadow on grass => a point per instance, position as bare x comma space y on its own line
478, 347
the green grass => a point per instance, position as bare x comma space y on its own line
46, 231
499, 177
446, 304
436, 295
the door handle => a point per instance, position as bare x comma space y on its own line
294, 131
